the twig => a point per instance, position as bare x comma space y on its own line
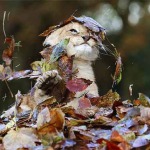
4, 16
8, 16
9, 89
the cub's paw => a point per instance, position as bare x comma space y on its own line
47, 80
45, 85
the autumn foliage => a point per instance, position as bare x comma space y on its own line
105, 122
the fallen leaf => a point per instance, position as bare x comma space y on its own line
22, 138
141, 141
137, 102
140, 129
129, 136
126, 133
110, 145
77, 84
124, 146
101, 133
86, 112
56, 122
116, 137
103, 111
68, 143
84, 135
43, 117
106, 100
145, 112
93, 145
84, 103
135, 111
144, 100
130, 122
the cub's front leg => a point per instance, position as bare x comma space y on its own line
48, 85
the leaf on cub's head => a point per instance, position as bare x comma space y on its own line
77, 84
88, 22
58, 50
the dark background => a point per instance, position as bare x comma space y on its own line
127, 23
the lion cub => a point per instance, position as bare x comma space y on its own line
83, 45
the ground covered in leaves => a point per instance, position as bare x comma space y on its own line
105, 122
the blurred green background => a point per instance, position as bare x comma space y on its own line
127, 24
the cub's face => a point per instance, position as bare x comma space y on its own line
80, 44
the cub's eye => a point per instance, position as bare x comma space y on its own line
73, 31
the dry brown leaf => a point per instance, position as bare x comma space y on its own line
106, 100
56, 122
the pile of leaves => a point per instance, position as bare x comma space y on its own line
105, 122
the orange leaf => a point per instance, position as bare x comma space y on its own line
116, 137
110, 145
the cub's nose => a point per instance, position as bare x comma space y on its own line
86, 38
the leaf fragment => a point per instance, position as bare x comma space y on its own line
118, 71
8, 53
